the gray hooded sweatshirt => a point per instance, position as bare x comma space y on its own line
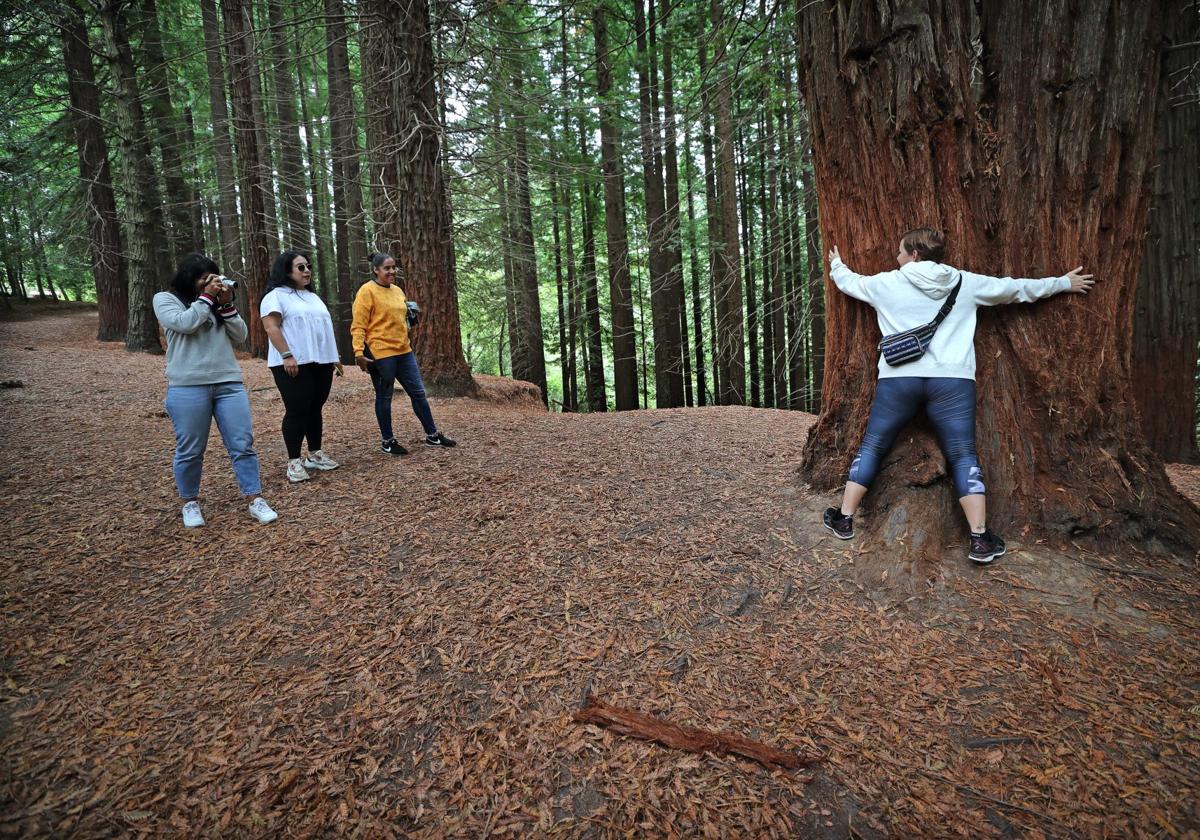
911, 295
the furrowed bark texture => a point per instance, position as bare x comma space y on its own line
414, 224
1167, 319
1027, 136
95, 181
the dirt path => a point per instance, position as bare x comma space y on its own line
401, 652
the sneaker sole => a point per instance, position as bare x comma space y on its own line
831, 530
983, 561
319, 467
264, 521
298, 480
193, 524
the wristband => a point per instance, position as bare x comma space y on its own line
207, 299
286, 354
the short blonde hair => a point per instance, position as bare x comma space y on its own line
927, 242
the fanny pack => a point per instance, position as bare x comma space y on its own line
908, 346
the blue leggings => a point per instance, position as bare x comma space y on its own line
950, 404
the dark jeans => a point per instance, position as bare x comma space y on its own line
303, 397
384, 375
950, 404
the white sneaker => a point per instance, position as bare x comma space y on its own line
320, 461
192, 517
296, 471
262, 511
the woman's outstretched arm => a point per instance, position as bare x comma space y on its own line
993, 291
849, 281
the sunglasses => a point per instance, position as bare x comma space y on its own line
303, 268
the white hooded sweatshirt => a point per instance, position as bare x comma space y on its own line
912, 295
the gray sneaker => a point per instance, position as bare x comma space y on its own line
262, 511
192, 517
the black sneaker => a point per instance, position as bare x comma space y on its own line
392, 447
439, 439
839, 525
985, 548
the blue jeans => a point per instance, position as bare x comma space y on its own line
950, 404
192, 409
384, 375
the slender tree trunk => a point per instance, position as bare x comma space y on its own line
797, 324
668, 380
420, 233
1166, 325
675, 288
262, 98
291, 167
169, 137
95, 180
563, 198
814, 282
259, 245
142, 206
558, 286
729, 288
319, 188
716, 233
228, 216
625, 374
694, 261
347, 191
594, 370
1064, 454
748, 251
192, 176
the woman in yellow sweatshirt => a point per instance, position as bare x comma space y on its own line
379, 331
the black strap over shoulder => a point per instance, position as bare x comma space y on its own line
948, 305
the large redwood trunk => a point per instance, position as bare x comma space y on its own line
1167, 318
414, 226
95, 180
1026, 135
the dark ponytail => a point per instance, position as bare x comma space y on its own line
191, 268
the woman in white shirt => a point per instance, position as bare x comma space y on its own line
302, 356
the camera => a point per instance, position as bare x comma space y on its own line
229, 284
414, 313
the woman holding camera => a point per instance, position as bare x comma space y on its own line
302, 355
204, 382
379, 331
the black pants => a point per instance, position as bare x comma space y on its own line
303, 397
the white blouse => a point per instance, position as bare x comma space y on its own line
307, 326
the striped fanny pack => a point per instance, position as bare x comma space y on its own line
908, 346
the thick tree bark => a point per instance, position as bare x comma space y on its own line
143, 209
348, 217
169, 138
1041, 166
95, 181
291, 168
259, 245
625, 373
416, 227
1166, 327
728, 277
229, 223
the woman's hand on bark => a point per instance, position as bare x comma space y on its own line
833, 254
1081, 283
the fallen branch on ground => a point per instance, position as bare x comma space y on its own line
651, 728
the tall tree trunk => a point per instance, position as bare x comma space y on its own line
143, 210
675, 289
694, 262
259, 245
668, 378
1030, 173
716, 233
752, 318
564, 201
95, 180
348, 215
814, 281
416, 229
728, 276
563, 363
795, 248
291, 168
229, 222
169, 137
262, 99
318, 186
1166, 325
528, 340
625, 374
199, 239
597, 392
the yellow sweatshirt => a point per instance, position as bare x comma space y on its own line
380, 320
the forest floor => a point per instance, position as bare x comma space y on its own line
402, 652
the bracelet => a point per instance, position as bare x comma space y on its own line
286, 354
